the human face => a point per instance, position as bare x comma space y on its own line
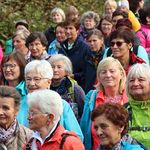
57, 18
36, 48
19, 44
110, 76
71, 33
141, 4
106, 27
7, 112
95, 43
58, 70
120, 48
115, 20
37, 119
139, 88
11, 70
34, 81
60, 34
108, 133
89, 23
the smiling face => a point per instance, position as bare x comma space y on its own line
36, 48
11, 70
60, 34
95, 43
108, 133
7, 112
106, 27
139, 87
57, 18
89, 23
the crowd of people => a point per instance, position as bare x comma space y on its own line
82, 84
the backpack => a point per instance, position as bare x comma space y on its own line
135, 50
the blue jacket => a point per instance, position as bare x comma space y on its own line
86, 122
52, 49
68, 119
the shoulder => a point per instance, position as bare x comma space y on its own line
128, 146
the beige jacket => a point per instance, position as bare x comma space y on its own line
20, 138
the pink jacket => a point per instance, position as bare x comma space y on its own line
143, 35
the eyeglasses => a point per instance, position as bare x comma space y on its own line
35, 79
118, 43
10, 66
33, 114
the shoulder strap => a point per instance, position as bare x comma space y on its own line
109, 52
143, 33
71, 89
64, 136
135, 49
128, 107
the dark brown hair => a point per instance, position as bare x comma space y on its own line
115, 113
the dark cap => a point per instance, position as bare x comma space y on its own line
22, 22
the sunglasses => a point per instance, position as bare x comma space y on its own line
118, 43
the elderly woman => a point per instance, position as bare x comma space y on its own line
44, 119
138, 88
63, 84
121, 44
111, 124
12, 135
96, 42
37, 44
110, 88
19, 41
89, 21
38, 75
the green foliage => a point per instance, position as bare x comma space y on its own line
37, 12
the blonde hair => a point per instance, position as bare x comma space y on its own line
104, 64
111, 3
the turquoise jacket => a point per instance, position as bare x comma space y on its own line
68, 119
86, 122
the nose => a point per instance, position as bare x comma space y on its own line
1, 111
108, 74
136, 82
99, 131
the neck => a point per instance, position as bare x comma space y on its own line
57, 82
72, 40
13, 83
25, 51
142, 97
111, 91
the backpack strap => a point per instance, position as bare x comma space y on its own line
128, 107
64, 136
135, 49
109, 52
145, 35
139, 128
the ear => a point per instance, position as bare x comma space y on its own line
51, 117
121, 129
49, 81
148, 19
130, 45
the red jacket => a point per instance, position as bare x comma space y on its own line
72, 142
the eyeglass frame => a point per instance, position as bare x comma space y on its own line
33, 114
28, 80
118, 43
11, 66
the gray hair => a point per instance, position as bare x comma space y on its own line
136, 71
59, 11
48, 101
66, 60
111, 61
91, 15
22, 33
42, 67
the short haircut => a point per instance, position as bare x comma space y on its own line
20, 60
137, 70
23, 34
66, 60
124, 22
7, 91
104, 64
96, 32
123, 33
91, 15
74, 22
48, 101
42, 67
119, 12
23, 23
111, 3
37, 35
115, 113
58, 11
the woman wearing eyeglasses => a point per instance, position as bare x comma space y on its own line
121, 44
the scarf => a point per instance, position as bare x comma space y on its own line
5, 135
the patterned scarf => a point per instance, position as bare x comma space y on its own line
5, 135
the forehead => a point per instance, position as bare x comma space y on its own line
7, 101
33, 73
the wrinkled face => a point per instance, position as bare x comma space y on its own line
108, 133
36, 48
95, 42
34, 81
7, 112
11, 70
60, 34
37, 119
89, 23
115, 20
19, 44
57, 18
106, 27
71, 32
139, 87
110, 76
120, 48
58, 70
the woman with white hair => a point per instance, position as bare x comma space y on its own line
63, 84
38, 75
138, 89
44, 119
